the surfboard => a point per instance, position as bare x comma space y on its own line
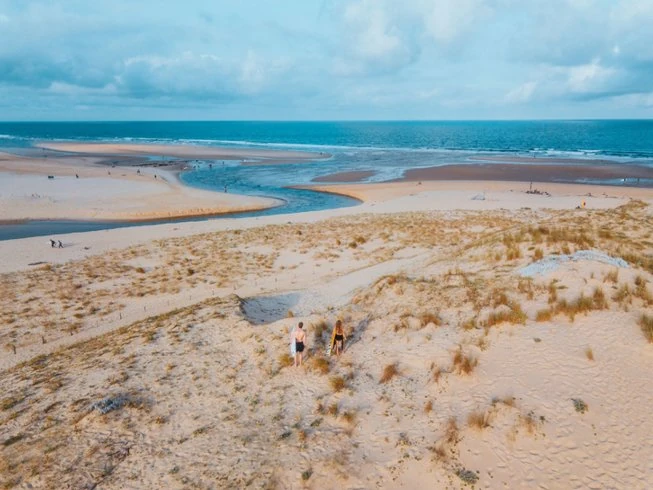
332, 343
292, 342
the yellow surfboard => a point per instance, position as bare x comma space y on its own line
332, 342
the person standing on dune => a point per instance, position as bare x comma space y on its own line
300, 338
339, 338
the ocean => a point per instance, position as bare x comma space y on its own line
386, 149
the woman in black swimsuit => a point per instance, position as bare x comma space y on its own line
339, 338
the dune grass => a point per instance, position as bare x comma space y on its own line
646, 324
389, 372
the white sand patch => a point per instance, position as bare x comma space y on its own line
554, 262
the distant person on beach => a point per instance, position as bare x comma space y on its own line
339, 338
60, 244
52, 243
300, 337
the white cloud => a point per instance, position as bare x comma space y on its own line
521, 94
591, 77
445, 20
373, 40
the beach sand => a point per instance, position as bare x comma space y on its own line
157, 356
83, 189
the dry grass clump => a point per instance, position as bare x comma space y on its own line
427, 318
319, 328
553, 292
646, 324
582, 304
544, 315
514, 314
479, 419
579, 405
463, 364
612, 276
538, 254
436, 373
469, 324
389, 372
508, 401
349, 416
338, 383
320, 364
589, 354
445, 448
641, 291
428, 406
286, 360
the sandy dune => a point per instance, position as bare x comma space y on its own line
157, 357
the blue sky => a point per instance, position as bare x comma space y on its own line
325, 59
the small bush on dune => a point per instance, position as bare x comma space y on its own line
553, 292
582, 304
436, 373
646, 324
478, 419
286, 360
320, 364
463, 364
319, 328
612, 276
543, 315
337, 383
469, 324
426, 318
538, 254
389, 372
514, 315
599, 300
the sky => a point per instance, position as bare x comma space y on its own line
325, 59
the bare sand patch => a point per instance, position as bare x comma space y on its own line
79, 188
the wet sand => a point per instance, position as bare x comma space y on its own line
531, 173
183, 151
353, 176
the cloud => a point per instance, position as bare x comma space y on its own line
386, 36
347, 58
373, 40
446, 20
521, 94
590, 77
